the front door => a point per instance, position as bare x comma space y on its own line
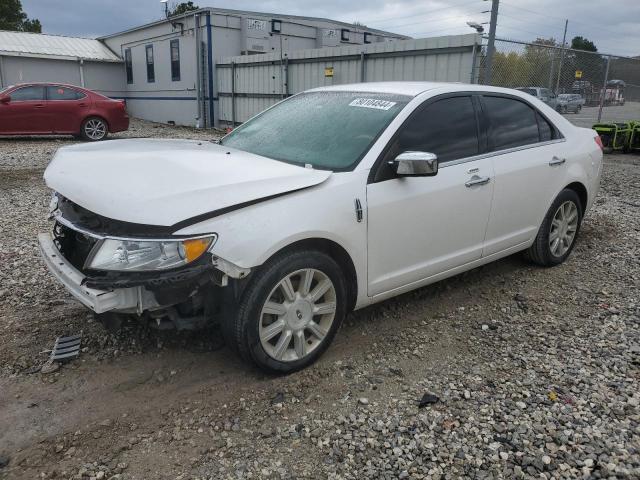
26, 113
422, 226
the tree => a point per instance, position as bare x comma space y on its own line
183, 7
13, 18
581, 43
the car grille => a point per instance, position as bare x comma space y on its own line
73, 245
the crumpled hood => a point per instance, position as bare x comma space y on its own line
163, 182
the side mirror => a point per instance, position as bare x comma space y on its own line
5, 99
415, 164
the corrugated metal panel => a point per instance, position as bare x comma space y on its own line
53, 46
260, 80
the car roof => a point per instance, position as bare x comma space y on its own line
414, 89
46, 84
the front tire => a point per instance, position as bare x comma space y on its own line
289, 312
558, 232
94, 129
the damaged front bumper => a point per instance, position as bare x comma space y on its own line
121, 299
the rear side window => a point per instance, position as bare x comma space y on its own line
447, 128
63, 93
512, 123
25, 94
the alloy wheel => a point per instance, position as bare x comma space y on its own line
297, 315
563, 229
95, 129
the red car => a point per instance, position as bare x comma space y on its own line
58, 109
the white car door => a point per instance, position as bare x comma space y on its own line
421, 226
529, 163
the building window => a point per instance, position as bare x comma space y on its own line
128, 65
151, 73
175, 59
367, 37
344, 35
276, 26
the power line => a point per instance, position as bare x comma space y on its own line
592, 25
457, 5
423, 22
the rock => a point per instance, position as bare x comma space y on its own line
428, 399
50, 367
546, 459
4, 461
363, 401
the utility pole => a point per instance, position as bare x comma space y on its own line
492, 41
564, 43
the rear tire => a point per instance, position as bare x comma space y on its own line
94, 129
559, 231
279, 325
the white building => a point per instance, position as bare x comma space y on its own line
165, 70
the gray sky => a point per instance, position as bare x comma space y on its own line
613, 26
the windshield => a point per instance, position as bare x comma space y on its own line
328, 130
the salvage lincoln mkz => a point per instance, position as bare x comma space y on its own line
332, 200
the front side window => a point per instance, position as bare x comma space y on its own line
128, 65
63, 93
328, 130
25, 94
446, 127
151, 73
175, 60
512, 123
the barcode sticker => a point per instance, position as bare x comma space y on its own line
372, 103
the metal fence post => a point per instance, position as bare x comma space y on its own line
286, 75
362, 68
233, 93
474, 54
564, 41
604, 88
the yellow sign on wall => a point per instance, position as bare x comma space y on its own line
578, 73
328, 71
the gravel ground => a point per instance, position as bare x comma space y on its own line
524, 372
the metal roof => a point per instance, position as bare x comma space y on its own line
291, 18
23, 44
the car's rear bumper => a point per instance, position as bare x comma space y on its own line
100, 301
119, 124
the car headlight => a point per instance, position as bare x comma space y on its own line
145, 255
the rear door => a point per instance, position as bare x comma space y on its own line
530, 160
26, 113
421, 226
67, 107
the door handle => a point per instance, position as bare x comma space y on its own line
476, 180
557, 161
39, 105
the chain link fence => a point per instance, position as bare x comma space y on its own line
588, 87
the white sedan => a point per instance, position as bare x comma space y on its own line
329, 201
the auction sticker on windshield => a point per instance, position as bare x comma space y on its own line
372, 103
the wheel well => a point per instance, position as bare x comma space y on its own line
582, 193
339, 254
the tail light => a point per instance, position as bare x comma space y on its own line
599, 142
